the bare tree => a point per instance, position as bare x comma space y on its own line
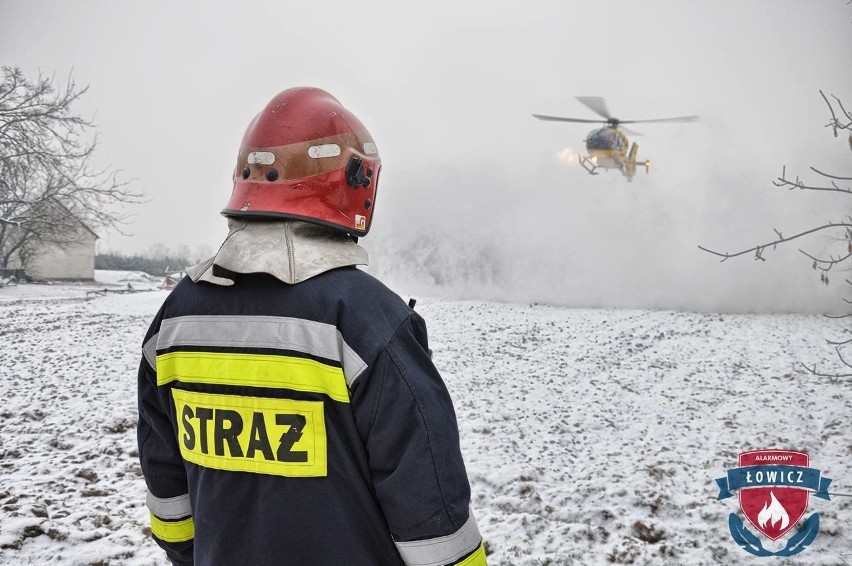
840, 122
48, 184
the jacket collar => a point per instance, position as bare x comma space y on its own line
288, 250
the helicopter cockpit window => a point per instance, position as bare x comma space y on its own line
605, 138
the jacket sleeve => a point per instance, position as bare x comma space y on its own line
162, 465
409, 425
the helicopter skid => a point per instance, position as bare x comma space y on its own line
588, 164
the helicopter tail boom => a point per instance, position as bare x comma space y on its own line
630, 163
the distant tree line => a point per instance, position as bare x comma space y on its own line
151, 265
156, 260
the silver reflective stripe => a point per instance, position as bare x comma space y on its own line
441, 550
305, 336
149, 350
261, 158
353, 365
169, 508
324, 150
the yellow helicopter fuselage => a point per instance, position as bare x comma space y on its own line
607, 148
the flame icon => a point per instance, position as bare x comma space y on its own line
773, 512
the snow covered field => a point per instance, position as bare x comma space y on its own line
591, 436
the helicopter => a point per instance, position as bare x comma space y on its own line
607, 147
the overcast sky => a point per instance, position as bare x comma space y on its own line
447, 90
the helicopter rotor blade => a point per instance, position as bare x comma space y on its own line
561, 119
629, 132
660, 120
597, 105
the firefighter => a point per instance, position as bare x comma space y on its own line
289, 410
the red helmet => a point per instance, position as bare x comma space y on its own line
305, 157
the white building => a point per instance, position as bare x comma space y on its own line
69, 254
74, 259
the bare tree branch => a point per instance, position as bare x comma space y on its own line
835, 124
784, 182
840, 120
827, 264
758, 250
48, 184
834, 377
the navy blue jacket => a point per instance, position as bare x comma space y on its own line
300, 424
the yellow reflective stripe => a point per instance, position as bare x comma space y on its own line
173, 531
475, 559
256, 370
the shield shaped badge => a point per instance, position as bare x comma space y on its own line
773, 509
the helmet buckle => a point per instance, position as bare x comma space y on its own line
356, 175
